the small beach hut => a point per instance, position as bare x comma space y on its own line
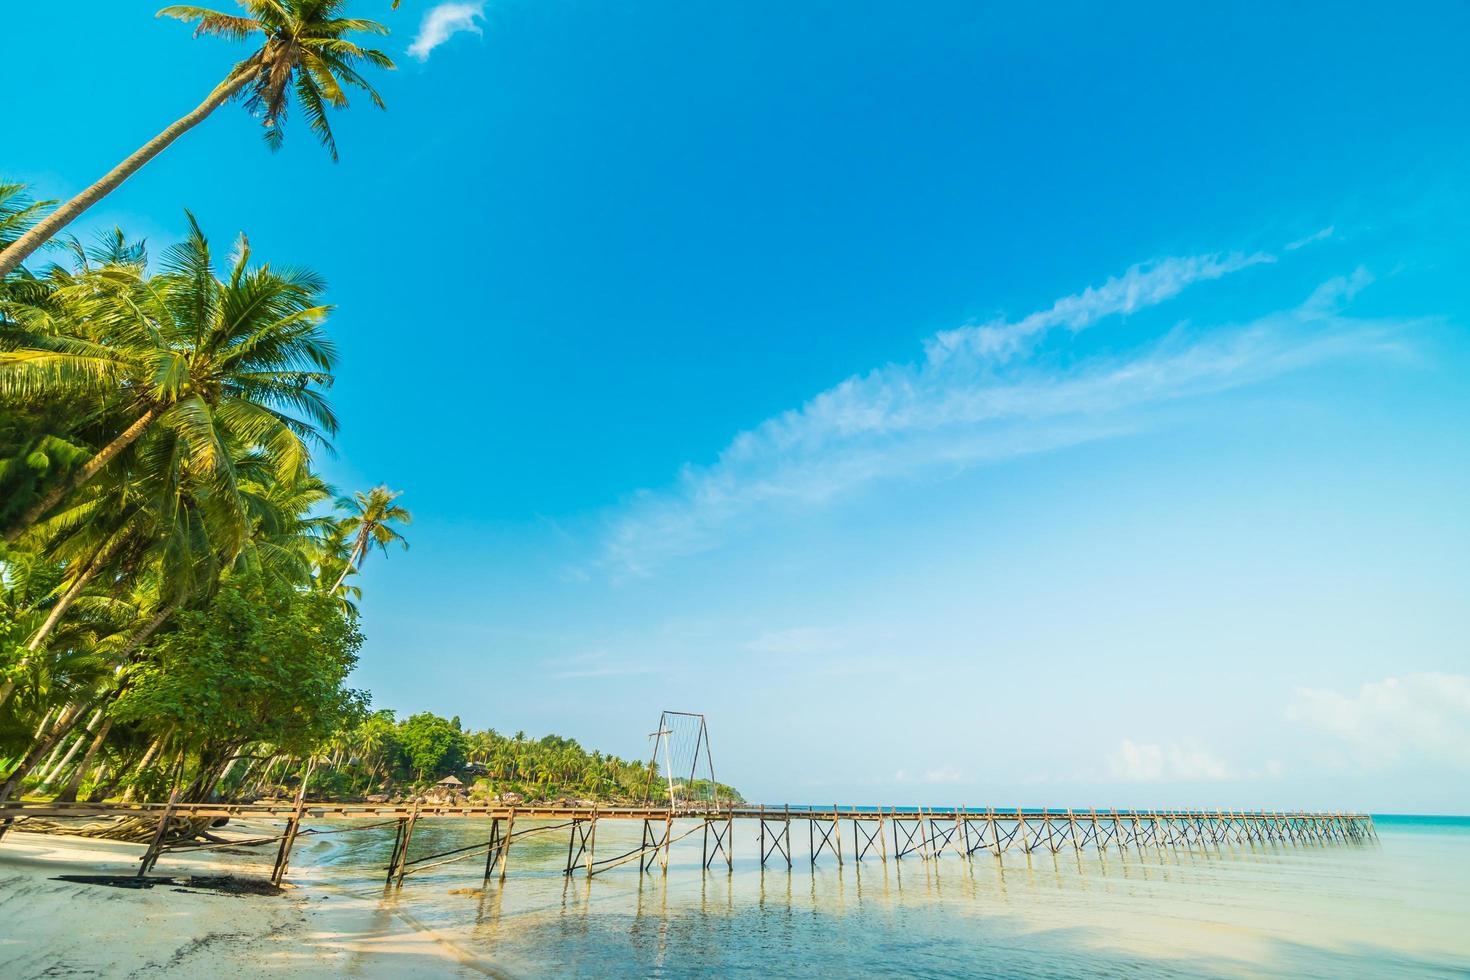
449, 782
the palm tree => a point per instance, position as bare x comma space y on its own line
369, 517
18, 212
305, 52
240, 362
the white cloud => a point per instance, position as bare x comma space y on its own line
1143, 285
972, 399
444, 21
1316, 236
1148, 763
1415, 718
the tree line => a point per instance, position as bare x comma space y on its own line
381, 753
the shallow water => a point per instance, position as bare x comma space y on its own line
1398, 907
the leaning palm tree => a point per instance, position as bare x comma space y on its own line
305, 53
216, 362
368, 518
18, 212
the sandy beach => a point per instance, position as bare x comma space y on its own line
60, 928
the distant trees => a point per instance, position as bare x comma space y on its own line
425, 747
432, 747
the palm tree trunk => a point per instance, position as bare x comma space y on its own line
68, 792
81, 476
64, 215
58, 611
56, 770
70, 595
141, 637
358, 550
63, 728
147, 760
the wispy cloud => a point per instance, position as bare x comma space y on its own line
975, 397
1316, 236
1418, 717
442, 22
1143, 285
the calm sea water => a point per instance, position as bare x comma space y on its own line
1396, 908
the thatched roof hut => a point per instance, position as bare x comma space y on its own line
449, 782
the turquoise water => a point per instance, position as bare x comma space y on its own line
1396, 908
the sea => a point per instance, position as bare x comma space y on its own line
1395, 907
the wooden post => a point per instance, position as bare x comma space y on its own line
492, 849
788, 836
882, 841
762, 837
668, 839
288, 840
591, 841
150, 856
397, 848
571, 842
413, 818
837, 829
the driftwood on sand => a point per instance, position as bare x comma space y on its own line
135, 829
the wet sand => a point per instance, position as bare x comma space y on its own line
60, 928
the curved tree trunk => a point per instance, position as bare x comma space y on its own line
68, 792
43, 745
62, 730
84, 473
57, 611
359, 551
45, 229
147, 761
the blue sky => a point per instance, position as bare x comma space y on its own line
958, 404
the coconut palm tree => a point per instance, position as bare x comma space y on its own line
218, 362
18, 212
305, 53
369, 516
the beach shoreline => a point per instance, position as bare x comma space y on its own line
314, 929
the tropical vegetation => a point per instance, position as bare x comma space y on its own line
179, 585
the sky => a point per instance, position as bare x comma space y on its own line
958, 404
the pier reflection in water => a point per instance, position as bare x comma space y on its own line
1390, 908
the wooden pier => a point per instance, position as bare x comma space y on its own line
874, 833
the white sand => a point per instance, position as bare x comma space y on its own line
58, 928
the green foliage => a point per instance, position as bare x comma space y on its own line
431, 746
262, 662
306, 53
